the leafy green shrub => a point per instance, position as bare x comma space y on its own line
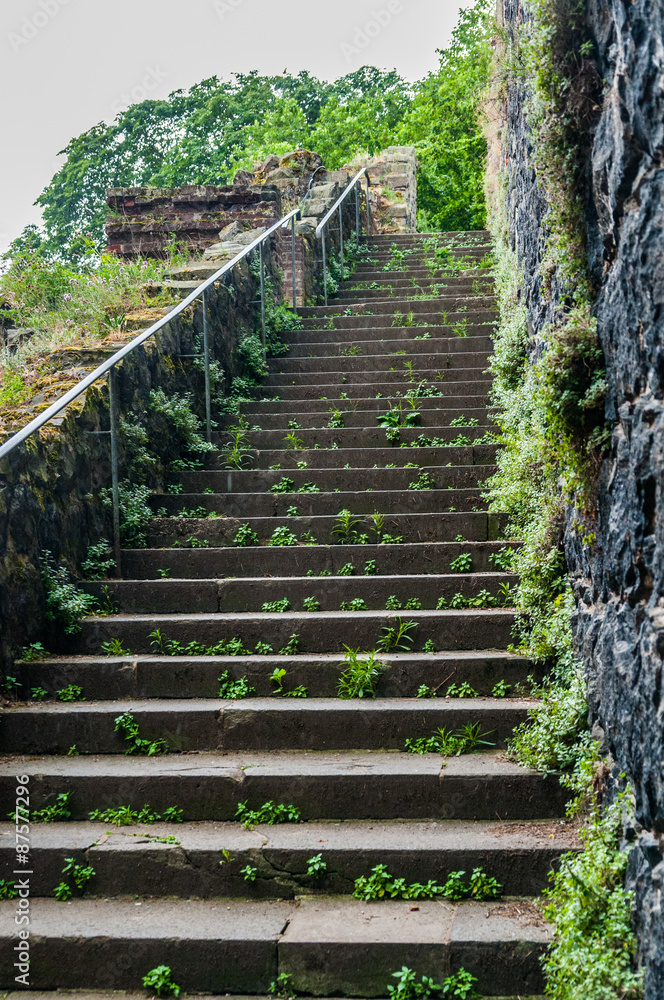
98, 561
35, 651
66, 605
134, 513
282, 537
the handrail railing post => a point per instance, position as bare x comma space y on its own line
341, 239
368, 217
294, 281
206, 353
324, 269
260, 248
115, 470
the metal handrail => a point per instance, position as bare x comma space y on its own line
337, 207
108, 366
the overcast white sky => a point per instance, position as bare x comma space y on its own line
67, 64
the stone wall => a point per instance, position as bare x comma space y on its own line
619, 580
49, 486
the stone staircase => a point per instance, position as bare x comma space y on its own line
230, 909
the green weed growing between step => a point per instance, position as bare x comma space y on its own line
467, 739
160, 982
80, 875
361, 674
381, 885
126, 816
234, 690
138, 747
459, 986
270, 814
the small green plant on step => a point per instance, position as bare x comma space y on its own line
463, 690
277, 607
361, 674
250, 874
80, 875
57, 813
397, 636
126, 816
234, 690
270, 813
462, 563
285, 485
278, 676
245, 537
114, 647
160, 982
502, 560
8, 890
73, 692
356, 604
336, 419
316, 867
311, 604
126, 724
467, 739
99, 561
237, 454
459, 986
292, 647
38, 693
424, 481
293, 442
424, 691
345, 528
35, 651
281, 988
501, 689
66, 605
283, 537
381, 885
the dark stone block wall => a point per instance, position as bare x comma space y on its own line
619, 581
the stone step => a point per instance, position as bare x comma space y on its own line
362, 363
361, 415
150, 676
130, 861
398, 373
169, 596
351, 437
255, 724
164, 533
422, 558
428, 319
416, 455
391, 305
126, 995
373, 269
413, 347
336, 335
414, 288
323, 632
209, 786
458, 403
330, 947
397, 387
243, 505
471, 466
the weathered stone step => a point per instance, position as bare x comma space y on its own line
198, 676
350, 437
126, 995
143, 597
243, 505
334, 335
440, 346
323, 632
470, 466
330, 947
458, 403
129, 862
397, 372
381, 362
368, 271
296, 391
359, 414
388, 305
208, 786
430, 318
166, 532
435, 457
253, 724
423, 558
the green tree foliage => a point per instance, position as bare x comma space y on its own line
444, 125
203, 135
